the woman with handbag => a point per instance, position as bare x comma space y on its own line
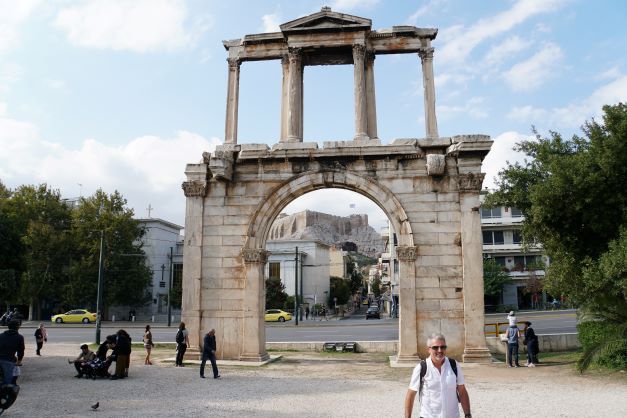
148, 344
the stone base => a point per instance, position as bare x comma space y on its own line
404, 361
477, 355
296, 144
192, 353
255, 357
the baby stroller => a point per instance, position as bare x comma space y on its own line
96, 368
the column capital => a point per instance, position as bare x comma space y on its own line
359, 51
194, 188
426, 53
470, 182
254, 255
295, 55
285, 60
370, 56
234, 63
406, 253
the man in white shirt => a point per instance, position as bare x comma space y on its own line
441, 385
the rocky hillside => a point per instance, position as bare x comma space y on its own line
338, 231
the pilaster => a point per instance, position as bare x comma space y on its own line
408, 323
254, 330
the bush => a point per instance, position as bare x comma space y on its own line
594, 333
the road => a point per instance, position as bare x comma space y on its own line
356, 328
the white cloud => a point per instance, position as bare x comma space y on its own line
423, 10
610, 73
473, 107
55, 84
460, 41
506, 49
12, 14
146, 170
577, 112
270, 23
450, 78
532, 73
132, 25
344, 5
500, 154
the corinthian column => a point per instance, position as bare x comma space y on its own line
431, 123
285, 64
232, 98
371, 102
475, 349
361, 116
295, 96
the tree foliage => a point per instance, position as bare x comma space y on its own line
494, 277
573, 196
339, 288
275, 293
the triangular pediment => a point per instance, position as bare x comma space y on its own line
326, 20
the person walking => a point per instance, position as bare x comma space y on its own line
307, 312
11, 351
148, 344
209, 352
512, 345
530, 339
41, 336
433, 380
182, 342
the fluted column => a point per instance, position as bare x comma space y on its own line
295, 96
285, 65
361, 115
371, 102
475, 349
431, 123
254, 327
232, 99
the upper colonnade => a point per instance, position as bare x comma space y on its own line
329, 38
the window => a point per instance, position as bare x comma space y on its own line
517, 237
487, 213
516, 213
493, 238
274, 270
161, 284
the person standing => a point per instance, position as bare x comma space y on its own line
440, 385
307, 312
148, 344
11, 351
41, 336
530, 339
122, 351
512, 345
182, 342
209, 352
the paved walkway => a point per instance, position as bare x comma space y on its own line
301, 385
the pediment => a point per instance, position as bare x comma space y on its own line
326, 20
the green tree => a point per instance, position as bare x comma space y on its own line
573, 196
493, 277
126, 274
275, 294
339, 289
376, 286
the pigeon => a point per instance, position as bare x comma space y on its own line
95, 406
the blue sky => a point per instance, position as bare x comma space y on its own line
121, 94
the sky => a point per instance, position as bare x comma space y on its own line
122, 94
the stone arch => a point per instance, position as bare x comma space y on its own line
281, 196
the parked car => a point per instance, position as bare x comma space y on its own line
373, 312
75, 316
277, 315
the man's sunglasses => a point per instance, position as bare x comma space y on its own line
436, 347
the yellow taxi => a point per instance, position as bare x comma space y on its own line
75, 316
277, 315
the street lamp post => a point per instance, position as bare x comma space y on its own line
100, 289
170, 288
296, 286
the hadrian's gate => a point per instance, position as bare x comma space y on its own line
428, 187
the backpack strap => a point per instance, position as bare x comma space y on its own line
423, 372
453, 365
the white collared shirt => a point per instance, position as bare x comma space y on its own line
439, 390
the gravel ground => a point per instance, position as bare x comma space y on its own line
302, 385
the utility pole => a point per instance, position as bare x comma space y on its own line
100, 289
296, 286
170, 289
